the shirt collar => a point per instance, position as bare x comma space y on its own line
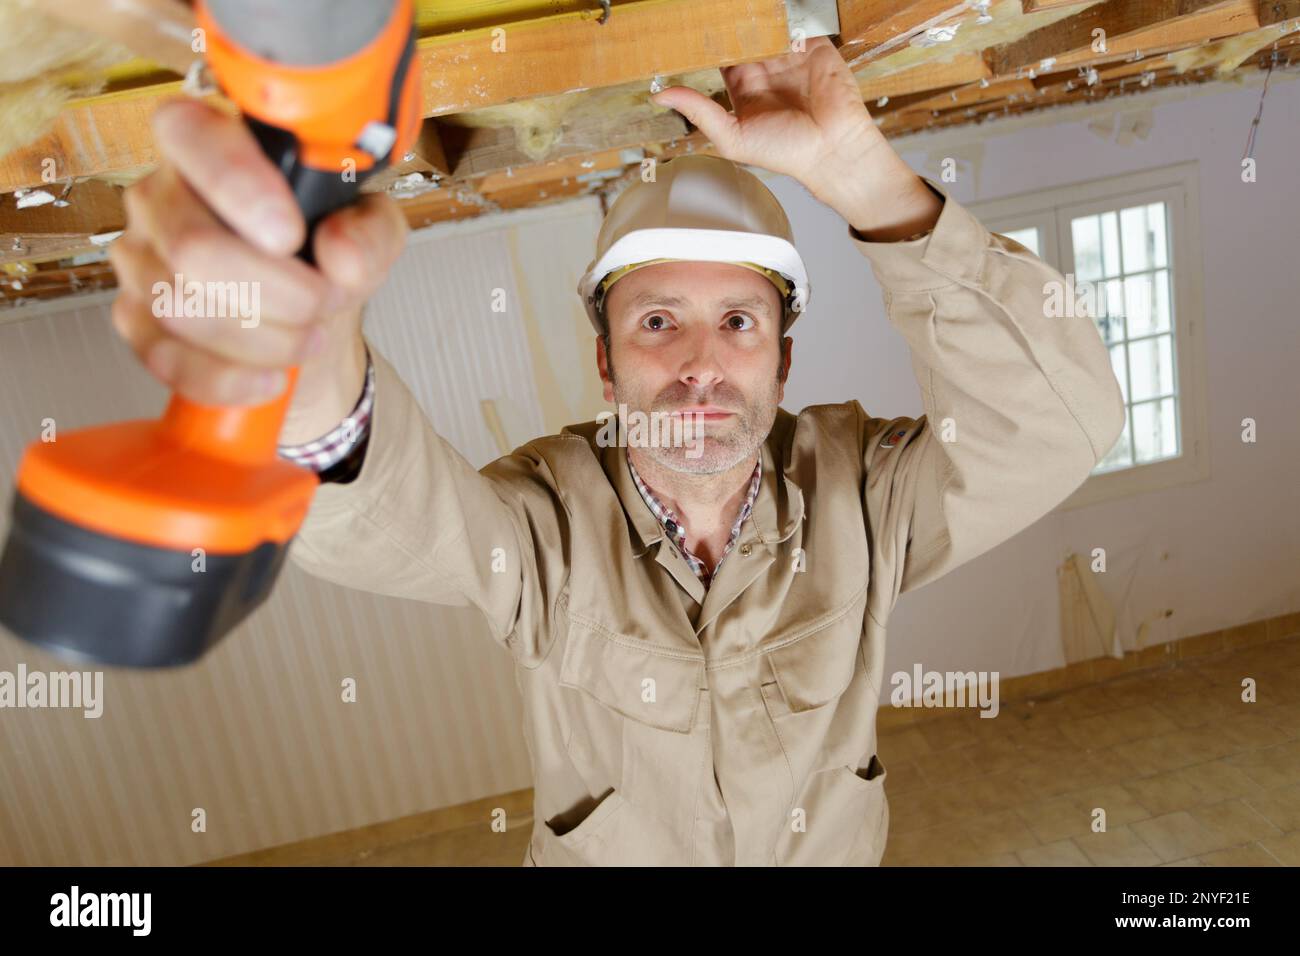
676, 531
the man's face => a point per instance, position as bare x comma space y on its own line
697, 337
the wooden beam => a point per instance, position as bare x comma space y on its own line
1127, 25
478, 151
974, 93
461, 72
428, 157
572, 52
958, 71
1038, 6
1277, 11
52, 232
871, 28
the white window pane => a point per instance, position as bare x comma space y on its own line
1146, 300
1110, 245
1110, 310
1140, 226
1086, 231
1155, 430
1120, 456
1151, 367
1026, 237
1156, 215
1117, 363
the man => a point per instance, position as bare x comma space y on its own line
699, 629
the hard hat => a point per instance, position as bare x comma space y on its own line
697, 208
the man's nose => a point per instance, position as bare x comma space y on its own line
701, 368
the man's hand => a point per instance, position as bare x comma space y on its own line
217, 211
802, 115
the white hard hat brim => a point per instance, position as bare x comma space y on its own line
694, 245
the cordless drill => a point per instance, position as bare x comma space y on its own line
143, 543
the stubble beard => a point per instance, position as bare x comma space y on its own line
725, 444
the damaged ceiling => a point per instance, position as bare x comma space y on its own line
565, 110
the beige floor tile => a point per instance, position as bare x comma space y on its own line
1138, 690
948, 732
1002, 859
1191, 861
1193, 709
1164, 793
1233, 822
995, 792
1174, 836
1202, 830
1088, 701
1252, 731
995, 756
1270, 767
946, 766
1117, 726
938, 846
1280, 806
997, 834
1216, 780
1055, 819
1180, 680
1252, 854
1117, 846
925, 809
1120, 805
1172, 751
904, 776
1287, 718
902, 744
1060, 853
1284, 849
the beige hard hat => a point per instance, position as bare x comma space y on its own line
697, 208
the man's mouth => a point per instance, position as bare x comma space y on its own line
707, 412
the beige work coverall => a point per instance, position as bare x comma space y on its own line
672, 725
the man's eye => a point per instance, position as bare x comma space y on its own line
661, 319
732, 319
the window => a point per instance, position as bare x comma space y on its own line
1130, 245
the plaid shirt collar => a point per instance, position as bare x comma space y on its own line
677, 532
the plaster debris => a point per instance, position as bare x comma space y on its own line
30, 198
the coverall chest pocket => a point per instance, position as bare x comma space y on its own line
635, 736
820, 698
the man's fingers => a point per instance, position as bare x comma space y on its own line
188, 370
356, 246
219, 157
233, 330
194, 245
704, 114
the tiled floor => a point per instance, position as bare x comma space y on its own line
1187, 774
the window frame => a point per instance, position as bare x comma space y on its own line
1051, 211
